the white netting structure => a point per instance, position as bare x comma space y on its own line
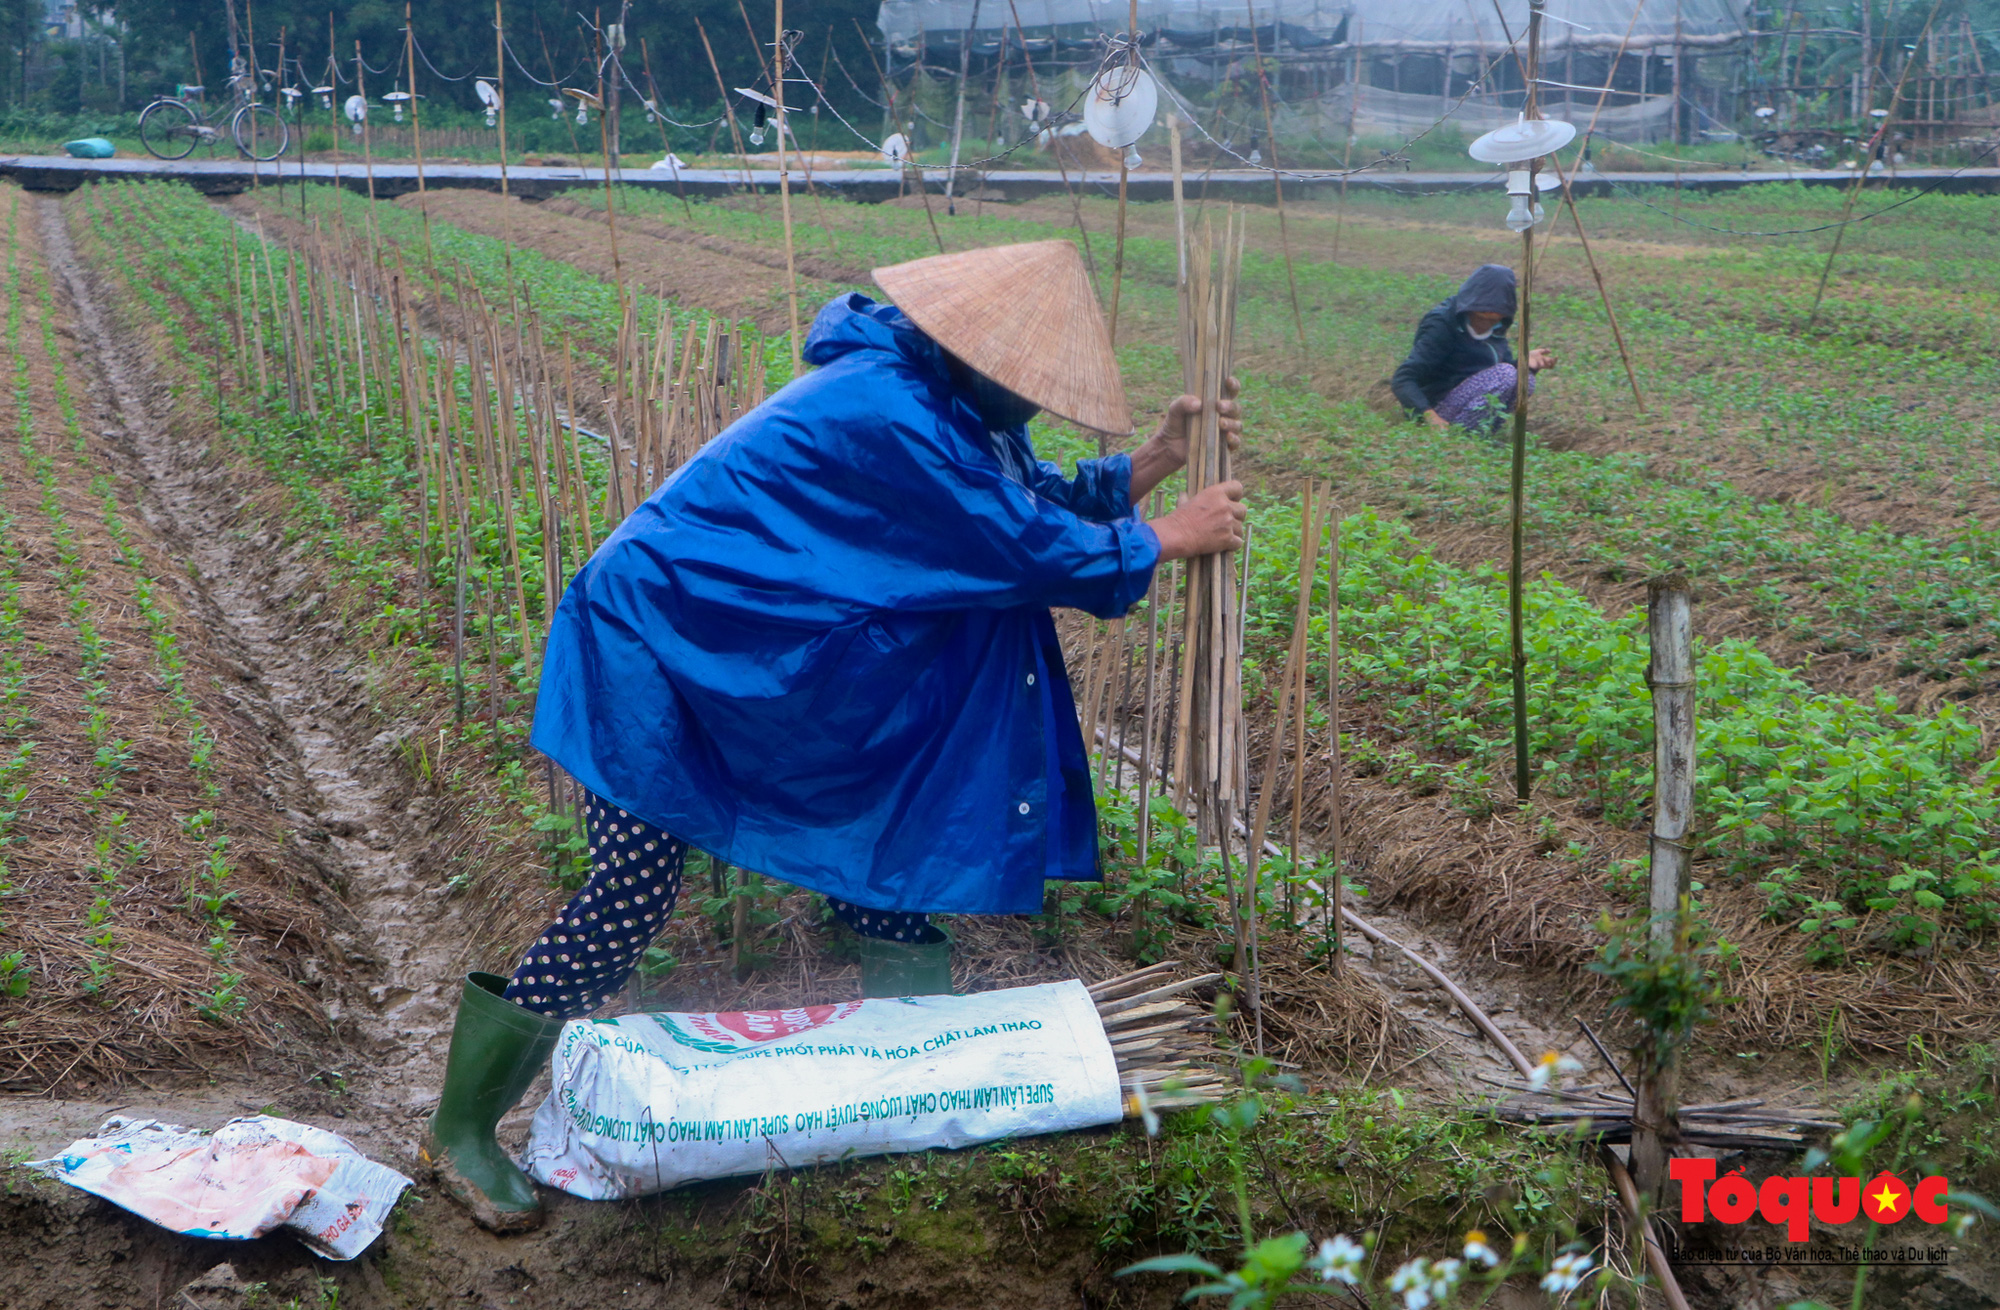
1467, 27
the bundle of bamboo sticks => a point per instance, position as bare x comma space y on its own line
1161, 1041
1606, 1116
1210, 735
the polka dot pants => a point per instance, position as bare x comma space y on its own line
591, 949
888, 925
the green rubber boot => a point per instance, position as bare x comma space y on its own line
891, 969
497, 1048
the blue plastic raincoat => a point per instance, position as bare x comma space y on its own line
823, 649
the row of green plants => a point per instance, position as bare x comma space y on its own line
208, 895
114, 852
16, 722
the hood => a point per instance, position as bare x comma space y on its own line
854, 322
1489, 290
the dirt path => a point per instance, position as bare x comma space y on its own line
405, 942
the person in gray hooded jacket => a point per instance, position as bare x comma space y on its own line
1460, 370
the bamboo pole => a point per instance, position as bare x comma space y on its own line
958, 119
781, 56
729, 110
417, 129
1517, 481
1278, 177
500, 87
1336, 836
367, 150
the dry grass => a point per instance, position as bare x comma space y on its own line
145, 1021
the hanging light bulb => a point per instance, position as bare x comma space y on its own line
1520, 213
1132, 159
756, 136
325, 94
555, 109
396, 99
582, 114
1523, 210
492, 116
1255, 156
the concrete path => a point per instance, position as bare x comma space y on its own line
222, 177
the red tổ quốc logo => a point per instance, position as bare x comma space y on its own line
1794, 1202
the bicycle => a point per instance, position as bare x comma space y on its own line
172, 126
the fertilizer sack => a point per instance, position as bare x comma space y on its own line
646, 1102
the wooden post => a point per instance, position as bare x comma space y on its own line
1671, 675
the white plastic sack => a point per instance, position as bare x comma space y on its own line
250, 1176
646, 1102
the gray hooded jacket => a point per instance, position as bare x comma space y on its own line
1445, 353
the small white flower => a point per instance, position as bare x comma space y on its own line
1147, 1115
1961, 1221
1566, 1273
1410, 1280
1445, 1277
1339, 1259
1477, 1251
1552, 1067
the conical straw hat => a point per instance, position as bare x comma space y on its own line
1026, 317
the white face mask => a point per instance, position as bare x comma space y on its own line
1477, 335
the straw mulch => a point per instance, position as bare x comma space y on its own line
139, 1016
1516, 899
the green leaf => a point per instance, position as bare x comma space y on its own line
1173, 1264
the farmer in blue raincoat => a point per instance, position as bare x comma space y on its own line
823, 651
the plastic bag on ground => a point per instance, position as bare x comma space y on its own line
90, 147
250, 1176
646, 1102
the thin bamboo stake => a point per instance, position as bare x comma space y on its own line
728, 109
1277, 177
1035, 90
367, 150
500, 64
780, 56
1336, 837
1517, 482
1148, 719
660, 120
958, 119
417, 129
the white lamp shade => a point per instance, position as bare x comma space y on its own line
1522, 140
1120, 105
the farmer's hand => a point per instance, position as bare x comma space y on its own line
1435, 419
1541, 357
1211, 520
1166, 451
